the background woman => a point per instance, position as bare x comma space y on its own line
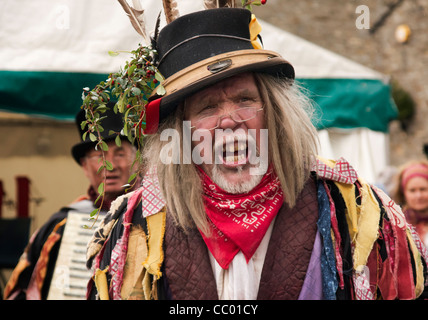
412, 194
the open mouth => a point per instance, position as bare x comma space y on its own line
111, 179
234, 151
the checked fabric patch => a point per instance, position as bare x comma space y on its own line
151, 196
339, 171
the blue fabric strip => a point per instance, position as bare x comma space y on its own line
328, 261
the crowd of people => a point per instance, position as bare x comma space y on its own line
256, 213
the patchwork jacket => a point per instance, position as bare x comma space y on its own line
350, 231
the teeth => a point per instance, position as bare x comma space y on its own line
235, 147
234, 151
234, 159
230, 159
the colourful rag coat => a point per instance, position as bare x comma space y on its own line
366, 249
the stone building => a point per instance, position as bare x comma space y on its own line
364, 31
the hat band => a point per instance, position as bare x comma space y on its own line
201, 36
201, 70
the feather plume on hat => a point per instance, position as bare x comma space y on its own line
212, 4
170, 9
136, 16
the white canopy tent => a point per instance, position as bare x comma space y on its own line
50, 51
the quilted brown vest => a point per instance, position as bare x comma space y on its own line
188, 270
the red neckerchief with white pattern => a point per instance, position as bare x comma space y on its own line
240, 221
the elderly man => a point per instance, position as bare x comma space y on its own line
33, 275
241, 207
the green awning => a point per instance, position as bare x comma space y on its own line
340, 103
56, 95
351, 103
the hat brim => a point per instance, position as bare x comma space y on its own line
79, 150
209, 71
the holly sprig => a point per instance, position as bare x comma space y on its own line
247, 4
131, 88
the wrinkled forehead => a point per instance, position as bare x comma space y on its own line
228, 88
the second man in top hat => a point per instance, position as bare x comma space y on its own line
32, 277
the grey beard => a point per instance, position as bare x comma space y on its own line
234, 188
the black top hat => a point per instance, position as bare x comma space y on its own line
113, 121
202, 48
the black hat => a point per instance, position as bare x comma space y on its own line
199, 49
113, 121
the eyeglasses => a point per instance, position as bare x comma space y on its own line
239, 115
118, 157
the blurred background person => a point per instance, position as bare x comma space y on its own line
411, 193
32, 277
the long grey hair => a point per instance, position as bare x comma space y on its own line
292, 146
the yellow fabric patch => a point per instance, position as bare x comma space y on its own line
136, 255
419, 286
368, 226
363, 220
156, 229
100, 280
255, 29
137, 292
348, 194
152, 265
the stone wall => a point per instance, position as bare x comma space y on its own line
336, 26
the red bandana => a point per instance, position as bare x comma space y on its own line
240, 221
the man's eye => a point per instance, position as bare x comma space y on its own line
207, 109
247, 100
95, 157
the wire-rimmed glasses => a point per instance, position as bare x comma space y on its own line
239, 115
